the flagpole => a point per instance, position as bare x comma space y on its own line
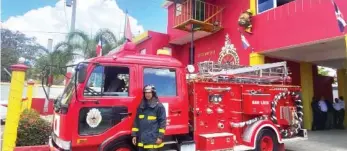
125, 23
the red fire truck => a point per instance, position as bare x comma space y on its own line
219, 107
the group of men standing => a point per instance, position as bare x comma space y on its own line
328, 114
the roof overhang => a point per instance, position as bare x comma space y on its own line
331, 52
166, 4
141, 38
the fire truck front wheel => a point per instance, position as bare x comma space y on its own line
121, 146
266, 141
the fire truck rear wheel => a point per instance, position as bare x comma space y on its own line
266, 141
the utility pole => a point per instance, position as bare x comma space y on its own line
72, 29
73, 16
50, 76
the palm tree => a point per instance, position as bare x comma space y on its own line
77, 45
86, 45
61, 54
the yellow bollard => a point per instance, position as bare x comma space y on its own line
30, 92
24, 104
14, 106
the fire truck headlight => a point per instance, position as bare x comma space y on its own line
190, 68
219, 99
215, 98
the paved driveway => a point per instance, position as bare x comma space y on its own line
330, 140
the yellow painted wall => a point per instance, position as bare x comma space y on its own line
307, 92
253, 6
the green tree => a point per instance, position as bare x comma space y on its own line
56, 60
86, 45
15, 45
322, 71
78, 44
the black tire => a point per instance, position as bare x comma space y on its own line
266, 134
121, 144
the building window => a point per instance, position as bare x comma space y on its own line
143, 52
265, 5
108, 81
178, 9
163, 79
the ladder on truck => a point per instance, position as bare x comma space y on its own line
266, 73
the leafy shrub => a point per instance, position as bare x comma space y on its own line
32, 130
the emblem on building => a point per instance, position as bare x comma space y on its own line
94, 117
228, 54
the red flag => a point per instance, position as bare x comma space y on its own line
99, 49
128, 34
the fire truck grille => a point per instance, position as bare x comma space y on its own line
287, 113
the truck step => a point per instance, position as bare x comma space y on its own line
170, 142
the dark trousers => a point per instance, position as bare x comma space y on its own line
339, 118
322, 120
315, 121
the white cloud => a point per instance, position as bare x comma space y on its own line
92, 15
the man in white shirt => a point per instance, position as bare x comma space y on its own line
324, 113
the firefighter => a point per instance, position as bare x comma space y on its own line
150, 122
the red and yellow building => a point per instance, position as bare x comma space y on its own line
305, 33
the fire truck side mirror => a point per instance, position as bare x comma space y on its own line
82, 72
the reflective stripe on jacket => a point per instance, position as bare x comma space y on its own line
149, 124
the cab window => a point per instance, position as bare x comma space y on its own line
163, 79
108, 81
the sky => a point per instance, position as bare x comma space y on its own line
46, 19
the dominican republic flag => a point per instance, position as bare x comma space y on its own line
244, 41
99, 48
340, 20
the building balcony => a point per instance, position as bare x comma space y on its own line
198, 14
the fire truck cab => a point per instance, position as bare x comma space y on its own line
212, 110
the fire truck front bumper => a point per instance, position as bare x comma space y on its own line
56, 144
301, 136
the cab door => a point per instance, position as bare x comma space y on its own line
106, 105
171, 90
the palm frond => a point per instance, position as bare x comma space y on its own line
72, 35
107, 35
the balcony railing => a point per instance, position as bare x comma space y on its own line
201, 15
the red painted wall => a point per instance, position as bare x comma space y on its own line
322, 85
38, 103
33, 148
173, 33
160, 40
298, 22
156, 41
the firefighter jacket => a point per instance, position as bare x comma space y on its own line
149, 124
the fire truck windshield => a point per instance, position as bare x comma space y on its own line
68, 91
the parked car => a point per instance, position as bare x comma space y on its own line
3, 111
